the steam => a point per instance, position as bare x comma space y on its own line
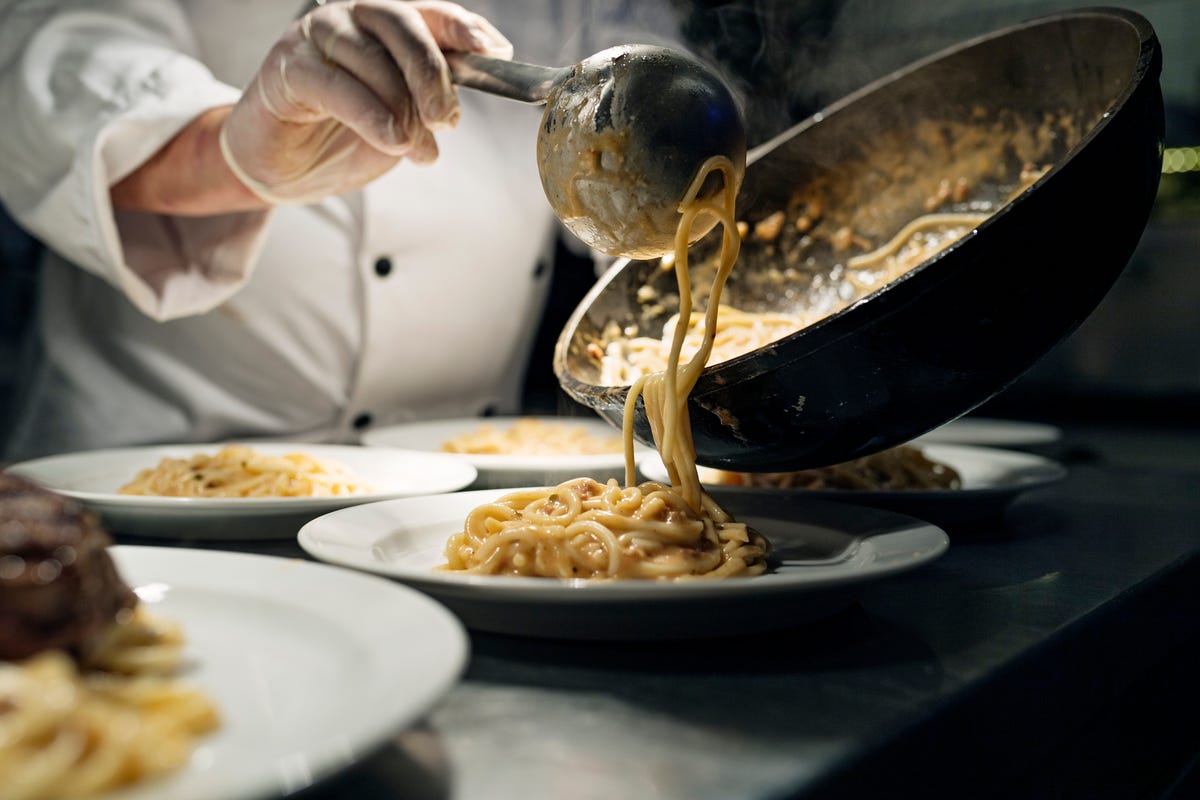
788, 60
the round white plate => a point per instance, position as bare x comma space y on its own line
500, 471
991, 479
985, 432
93, 478
311, 667
823, 553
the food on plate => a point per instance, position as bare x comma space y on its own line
585, 529
241, 471
901, 468
529, 436
89, 700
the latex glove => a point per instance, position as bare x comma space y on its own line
349, 90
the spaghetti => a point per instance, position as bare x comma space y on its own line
71, 731
241, 471
802, 251
585, 529
738, 332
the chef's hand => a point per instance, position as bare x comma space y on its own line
349, 90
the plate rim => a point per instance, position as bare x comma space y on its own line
326, 755
376, 437
1050, 472
30, 468
935, 543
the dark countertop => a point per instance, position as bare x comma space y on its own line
1048, 654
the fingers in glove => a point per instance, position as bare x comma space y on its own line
306, 80
401, 29
344, 46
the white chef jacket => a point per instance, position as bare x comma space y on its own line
415, 297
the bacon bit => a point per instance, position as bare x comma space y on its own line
552, 505
940, 197
845, 238
595, 351
962, 190
768, 230
585, 488
842, 239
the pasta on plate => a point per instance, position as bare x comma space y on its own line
241, 471
72, 731
903, 468
530, 436
585, 529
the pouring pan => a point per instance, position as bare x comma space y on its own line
1074, 95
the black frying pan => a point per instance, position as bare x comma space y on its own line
1078, 91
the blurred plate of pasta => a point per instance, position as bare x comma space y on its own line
253, 490
311, 668
946, 484
517, 451
823, 554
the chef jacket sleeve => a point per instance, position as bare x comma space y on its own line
88, 93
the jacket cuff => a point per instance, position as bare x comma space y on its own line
168, 266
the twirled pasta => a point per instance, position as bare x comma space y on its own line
585, 529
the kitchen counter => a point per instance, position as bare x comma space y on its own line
1051, 653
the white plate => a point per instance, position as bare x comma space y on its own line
824, 552
991, 479
311, 667
93, 478
500, 471
984, 432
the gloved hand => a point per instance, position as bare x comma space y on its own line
350, 89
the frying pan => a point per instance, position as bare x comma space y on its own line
1076, 91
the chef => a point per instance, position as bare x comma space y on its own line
348, 242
